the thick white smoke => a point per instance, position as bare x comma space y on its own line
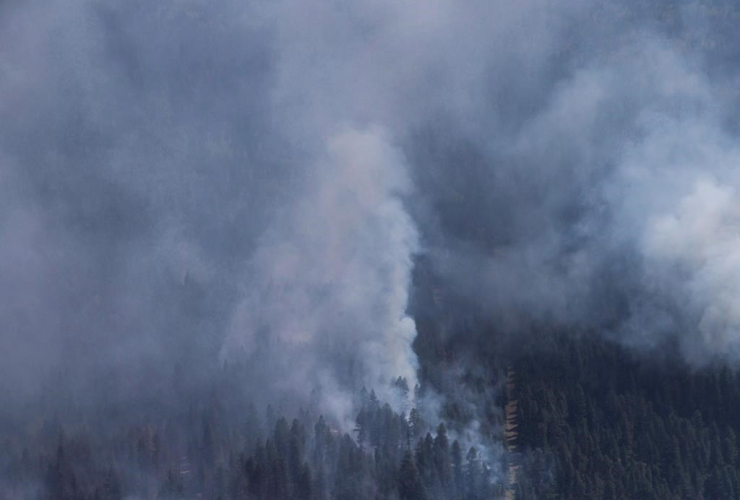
326, 292
177, 172
331, 278
683, 206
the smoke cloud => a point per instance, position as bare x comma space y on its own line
186, 182
326, 291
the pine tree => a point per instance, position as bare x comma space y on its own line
442, 457
410, 486
458, 475
360, 427
472, 474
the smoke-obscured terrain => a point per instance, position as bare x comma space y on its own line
364, 215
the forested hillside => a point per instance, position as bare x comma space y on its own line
600, 423
221, 447
595, 421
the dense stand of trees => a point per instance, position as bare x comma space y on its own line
595, 421
600, 423
205, 453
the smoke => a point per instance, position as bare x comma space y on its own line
138, 166
686, 234
326, 291
189, 182
610, 209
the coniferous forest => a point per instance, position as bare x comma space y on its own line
595, 421
214, 449
599, 423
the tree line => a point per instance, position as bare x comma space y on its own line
266, 456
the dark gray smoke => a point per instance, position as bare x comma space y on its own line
186, 182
